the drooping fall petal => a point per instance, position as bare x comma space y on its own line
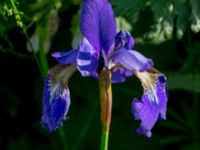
56, 97
153, 103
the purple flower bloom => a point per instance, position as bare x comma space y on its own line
102, 48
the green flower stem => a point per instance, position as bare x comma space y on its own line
43, 60
42, 71
63, 138
105, 91
104, 140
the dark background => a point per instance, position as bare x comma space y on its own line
168, 31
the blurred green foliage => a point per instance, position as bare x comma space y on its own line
168, 31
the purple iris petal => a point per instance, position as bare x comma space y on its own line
120, 75
55, 107
56, 97
123, 39
152, 106
147, 112
131, 60
65, 57
98, 24
162, 95
87, 58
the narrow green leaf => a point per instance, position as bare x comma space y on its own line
176, 116
189, 82
175, 126
173, 139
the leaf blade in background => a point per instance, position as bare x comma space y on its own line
189, 82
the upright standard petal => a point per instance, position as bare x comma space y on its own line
98, 24
131, 60
154, 101
65, 57
87, 58
124, 40
56, 97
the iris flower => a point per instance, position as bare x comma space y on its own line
102, 49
